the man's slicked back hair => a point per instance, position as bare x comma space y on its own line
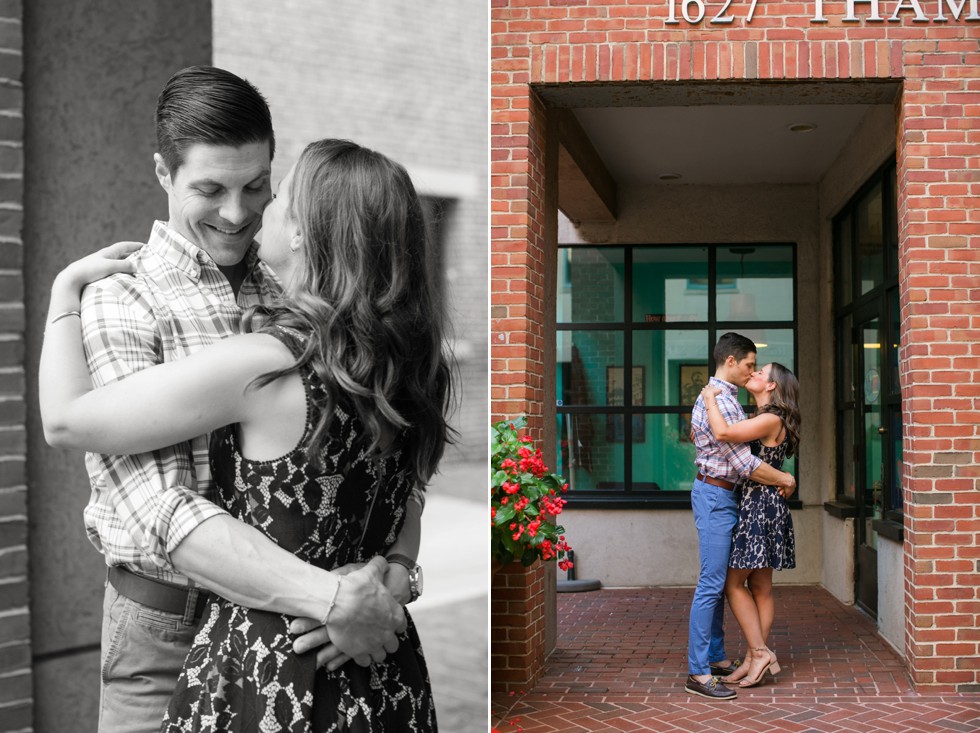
205, 104
733, 344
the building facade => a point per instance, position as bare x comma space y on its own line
803, 173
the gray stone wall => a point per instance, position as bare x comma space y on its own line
409, 80
92, 72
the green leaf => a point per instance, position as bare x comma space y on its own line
504, 514
498, 478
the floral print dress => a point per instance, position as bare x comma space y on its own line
241, 674
763, 536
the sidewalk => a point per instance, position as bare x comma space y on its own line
621, 663
452, 614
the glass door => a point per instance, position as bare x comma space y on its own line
871, 436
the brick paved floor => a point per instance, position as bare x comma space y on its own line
621, 661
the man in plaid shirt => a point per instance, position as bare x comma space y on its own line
720, 466
150, 514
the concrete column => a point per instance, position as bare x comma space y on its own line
92, 73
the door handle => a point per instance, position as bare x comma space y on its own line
882, 430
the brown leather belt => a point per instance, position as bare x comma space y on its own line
158, 594
716, 481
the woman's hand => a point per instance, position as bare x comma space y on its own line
107, 261
710, 391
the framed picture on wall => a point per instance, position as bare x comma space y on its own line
615, 395
692, 378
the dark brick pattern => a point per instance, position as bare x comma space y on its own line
15, 630
621, 663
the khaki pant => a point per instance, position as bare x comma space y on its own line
143, 651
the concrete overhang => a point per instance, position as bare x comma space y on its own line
707, 133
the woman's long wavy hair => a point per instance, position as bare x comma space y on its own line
785, 402
368, 303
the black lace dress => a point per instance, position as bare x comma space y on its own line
763, 536
241, 673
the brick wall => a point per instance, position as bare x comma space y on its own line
517, 638
546, 42
520, 213
15, 628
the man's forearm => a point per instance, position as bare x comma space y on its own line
766, 474
240, 563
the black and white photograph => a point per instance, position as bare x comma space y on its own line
243, 442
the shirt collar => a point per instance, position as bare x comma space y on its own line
722, 384
181, 253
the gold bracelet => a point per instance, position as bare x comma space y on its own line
332, 601
66, 314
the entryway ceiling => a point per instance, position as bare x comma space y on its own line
720, 144
708, 133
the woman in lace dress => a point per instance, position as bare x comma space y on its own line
326, 416
763, 537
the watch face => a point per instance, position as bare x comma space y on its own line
417, 580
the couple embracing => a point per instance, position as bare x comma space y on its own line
313, 360
741, 515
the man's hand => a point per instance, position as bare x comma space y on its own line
365, 617
313, 634
787, 484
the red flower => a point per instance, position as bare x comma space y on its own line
529, 494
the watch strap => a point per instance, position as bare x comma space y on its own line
414, 572
404, 560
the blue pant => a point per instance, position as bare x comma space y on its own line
715, 514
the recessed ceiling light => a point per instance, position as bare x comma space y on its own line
801, 127
669, 176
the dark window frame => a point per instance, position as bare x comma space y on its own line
626, 498
882, 298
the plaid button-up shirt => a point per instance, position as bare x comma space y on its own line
728, 461
143, 505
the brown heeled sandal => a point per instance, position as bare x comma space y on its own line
772, 668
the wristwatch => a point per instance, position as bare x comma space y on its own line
414, 573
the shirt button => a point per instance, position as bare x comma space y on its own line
195, 272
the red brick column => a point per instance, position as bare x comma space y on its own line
15, 628
517, 627
522, 237
536, 42
939, 227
